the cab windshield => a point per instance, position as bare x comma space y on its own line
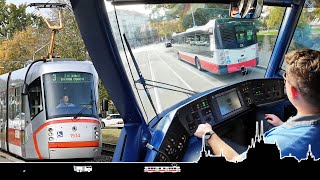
69, 94
208, 48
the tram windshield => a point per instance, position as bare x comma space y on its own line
69, 94
207, 48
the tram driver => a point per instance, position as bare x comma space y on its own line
298, 133
65, 102
235, 12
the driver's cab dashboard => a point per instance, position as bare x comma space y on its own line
173, 134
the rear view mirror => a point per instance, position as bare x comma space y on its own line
248, 9
24, 89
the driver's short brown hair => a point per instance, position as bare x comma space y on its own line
304, 73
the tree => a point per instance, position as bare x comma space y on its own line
14, 52
28, 39
275, 17
69, 43
167, 28
104, 94
202, 14
14, 18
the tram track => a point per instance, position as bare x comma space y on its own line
108, 149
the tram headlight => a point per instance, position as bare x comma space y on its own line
97, 137
97, 133
50, 133
95, 128
51, 138
50, 130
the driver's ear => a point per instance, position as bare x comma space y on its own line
294, 92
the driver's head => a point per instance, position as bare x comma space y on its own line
303, 76
234, 11
65, 99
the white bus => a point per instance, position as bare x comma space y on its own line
221, 46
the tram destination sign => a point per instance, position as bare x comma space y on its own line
69, 77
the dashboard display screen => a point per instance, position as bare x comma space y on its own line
228, 102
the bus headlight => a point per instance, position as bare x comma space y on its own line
97, 137
97, 133
51, 138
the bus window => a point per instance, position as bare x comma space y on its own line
35, 97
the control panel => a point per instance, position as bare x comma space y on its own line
214, 108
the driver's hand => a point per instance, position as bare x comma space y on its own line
202, 130
273, 119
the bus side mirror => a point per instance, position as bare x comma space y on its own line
105, 104
248, 9
24, 89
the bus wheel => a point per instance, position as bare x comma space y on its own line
198, 65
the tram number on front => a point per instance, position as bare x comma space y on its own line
76, 135
54, 77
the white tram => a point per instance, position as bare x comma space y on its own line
37, 122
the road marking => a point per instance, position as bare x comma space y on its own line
200, 75
175, 73
155, 89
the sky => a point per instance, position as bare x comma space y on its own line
17, 2
138, 8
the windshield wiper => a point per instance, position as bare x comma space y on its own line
142, 80
170, 87
83, 109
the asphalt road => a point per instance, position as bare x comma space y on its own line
160, 65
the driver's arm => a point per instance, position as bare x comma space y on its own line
217, 144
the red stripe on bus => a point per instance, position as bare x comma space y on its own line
57, 122
209, 66
12, 139
237, 67
187, 58
78, 144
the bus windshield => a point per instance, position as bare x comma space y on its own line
183, 49
69, 93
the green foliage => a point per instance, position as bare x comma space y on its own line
166, 28
156, 11
274, 18
15, 51
181, 15
203, 15
69, 43
104, 94
28, 33
14, 18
